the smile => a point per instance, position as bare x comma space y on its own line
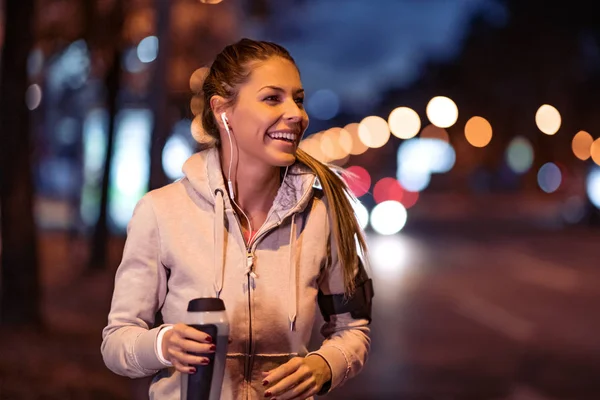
286, 136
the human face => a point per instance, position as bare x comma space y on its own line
268, 119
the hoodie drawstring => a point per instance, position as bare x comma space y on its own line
219, 235
292, 299
219, 241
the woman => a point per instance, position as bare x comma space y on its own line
258, 223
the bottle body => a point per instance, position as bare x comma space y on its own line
206, 382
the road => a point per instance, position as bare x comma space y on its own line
465, 309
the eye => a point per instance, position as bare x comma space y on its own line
272, 98
300, 100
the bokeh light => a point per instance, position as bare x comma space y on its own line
387, 189
478, 131
595, 151
435, 132
336, 143
312, 145
358, 147
573, 209
547, 119
33, 96
593, 186
197, 79
519, 155
177, 150
419, 158
549, 177
131, 163
362, 214
442, 111
415, 178
374, 131
431, 155
324, 104
388, 218
147, 49
35, 62
582, 145
409, 199
358, 180
404, 122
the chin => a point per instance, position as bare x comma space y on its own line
280, 158
286, 160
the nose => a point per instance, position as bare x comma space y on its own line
294, 113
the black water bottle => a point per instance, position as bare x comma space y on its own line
208, 315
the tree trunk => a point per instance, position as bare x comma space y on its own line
159, 96
99, 251
19, 284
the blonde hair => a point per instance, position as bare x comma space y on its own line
230, 69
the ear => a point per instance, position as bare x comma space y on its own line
218, 106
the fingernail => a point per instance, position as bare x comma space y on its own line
208, 339
267, 394
212, 347
265, 382
205, 361
192, 370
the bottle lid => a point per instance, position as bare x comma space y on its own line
206, 304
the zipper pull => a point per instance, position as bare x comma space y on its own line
250, 265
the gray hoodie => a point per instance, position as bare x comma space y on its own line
184, 241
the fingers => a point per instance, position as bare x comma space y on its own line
188, 332
293, 384
300, 392
275, 375
188, 359
185, 347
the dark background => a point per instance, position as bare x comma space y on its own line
487, 279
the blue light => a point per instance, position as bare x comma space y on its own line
593, 186
324, 104
549, 177
147, 49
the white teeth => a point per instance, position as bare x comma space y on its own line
283, 135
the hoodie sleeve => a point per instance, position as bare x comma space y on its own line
129, 343
346, 329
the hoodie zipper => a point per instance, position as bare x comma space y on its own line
250, 248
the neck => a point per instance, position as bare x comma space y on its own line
255, 183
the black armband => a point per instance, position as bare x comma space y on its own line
358, 305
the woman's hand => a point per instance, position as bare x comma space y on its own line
297, 379
180, 341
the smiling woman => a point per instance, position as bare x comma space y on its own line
293, 248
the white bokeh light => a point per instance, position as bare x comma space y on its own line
374, 131
390, 256
442, 111
593, 186
362, 214
404, 122
176, 151
547, 119
388, 217
131, 163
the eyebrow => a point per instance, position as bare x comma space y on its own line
278, 89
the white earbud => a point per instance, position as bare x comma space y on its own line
225, 122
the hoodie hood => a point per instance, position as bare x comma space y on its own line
203, 171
